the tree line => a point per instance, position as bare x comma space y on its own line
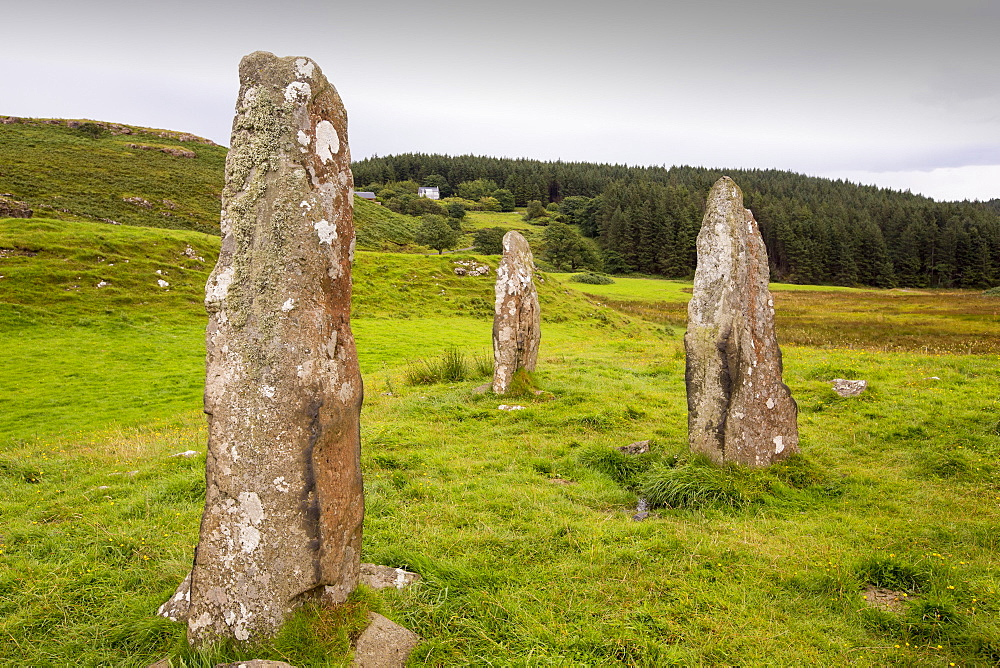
646, 219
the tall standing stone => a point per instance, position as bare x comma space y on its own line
284, 504
516, 330
739, 410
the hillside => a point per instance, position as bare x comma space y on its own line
122, 174
90, 170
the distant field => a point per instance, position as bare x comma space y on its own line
511, 220
658, 289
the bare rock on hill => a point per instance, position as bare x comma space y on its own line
516, 329
849, 388
12, 208
384, 644
283, 509
739, 410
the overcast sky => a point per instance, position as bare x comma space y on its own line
899, 93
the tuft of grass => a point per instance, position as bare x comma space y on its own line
892, 572
452, 367
697, 483
624, 469
522, 385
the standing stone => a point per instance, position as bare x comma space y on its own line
516, 330
284, 504
739, 410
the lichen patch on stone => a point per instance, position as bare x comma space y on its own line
327, 232
297, 90
327, 141
304, 67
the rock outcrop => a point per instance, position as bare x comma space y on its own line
284, 506
739, 410
516, 330
12, 208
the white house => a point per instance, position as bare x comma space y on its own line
430, 192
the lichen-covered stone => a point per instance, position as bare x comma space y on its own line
284, 506
516, 330
739, 410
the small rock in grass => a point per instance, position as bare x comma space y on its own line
162, 283
641, 511
849, 388
186, 453
383, 577
384, 644
506, 407
637, 448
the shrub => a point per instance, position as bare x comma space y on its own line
92, 130
437, 233
592, 278
535, 210
422, 205
489, 240
992, 292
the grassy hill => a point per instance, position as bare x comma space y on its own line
121, 174
519, 522
87, 170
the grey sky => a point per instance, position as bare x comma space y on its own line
903, 93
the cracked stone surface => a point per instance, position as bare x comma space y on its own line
516, 328
284, 505
739, 410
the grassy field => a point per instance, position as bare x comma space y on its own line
519, 522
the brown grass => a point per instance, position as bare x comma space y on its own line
929, 321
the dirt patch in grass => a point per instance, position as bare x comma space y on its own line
888, 600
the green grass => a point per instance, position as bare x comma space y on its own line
658, 289
378, 228
520, 522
